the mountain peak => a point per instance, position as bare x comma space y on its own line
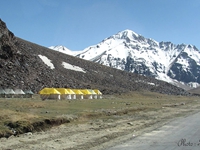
126, 34
64, 49
59, 48
129, 32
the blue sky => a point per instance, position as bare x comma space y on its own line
78, 24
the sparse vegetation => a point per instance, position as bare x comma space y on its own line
28, 115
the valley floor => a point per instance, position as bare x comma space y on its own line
98, 133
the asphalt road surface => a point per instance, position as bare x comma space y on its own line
180, 134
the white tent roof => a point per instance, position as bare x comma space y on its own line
9, 91
2, 91
18, 91
28, 92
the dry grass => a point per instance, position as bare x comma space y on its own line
27, 114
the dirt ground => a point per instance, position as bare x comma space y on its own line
99, 133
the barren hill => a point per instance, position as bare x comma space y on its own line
25, 65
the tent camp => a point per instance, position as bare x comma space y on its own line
9, 93
28, 94
65, 94
49, 93
18, 93
99, 94
79, 94
94, 95
73, 95
86, 94
2, 93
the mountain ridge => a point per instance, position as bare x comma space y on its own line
132, 52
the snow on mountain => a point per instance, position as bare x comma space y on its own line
73, 67
47, 61
127, 50
64, 49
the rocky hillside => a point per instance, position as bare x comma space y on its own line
27, 65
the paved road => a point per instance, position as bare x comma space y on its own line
181, 134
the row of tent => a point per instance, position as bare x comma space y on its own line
16, 93
64, 93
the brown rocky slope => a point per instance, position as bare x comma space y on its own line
21, 67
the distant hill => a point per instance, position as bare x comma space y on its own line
195, 91
30, 66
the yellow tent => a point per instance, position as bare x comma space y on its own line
73, 95
79, 94
99, 94
97, 91
49, 93
65, 94
86, 94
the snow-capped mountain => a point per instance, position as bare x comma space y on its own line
127, 50
64, 49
